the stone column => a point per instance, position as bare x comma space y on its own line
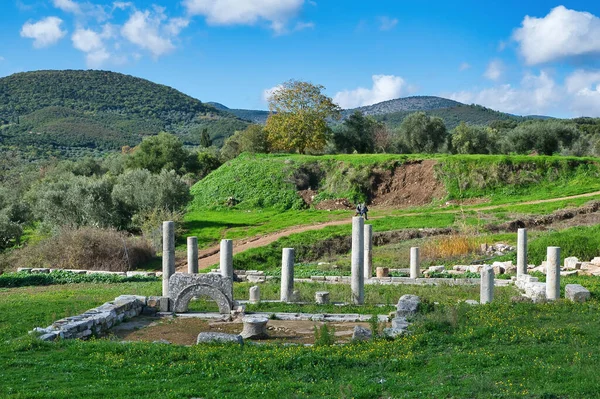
358, 274
168, 255
368, 255
415, 262
553, 273
226, 256
287, 275
192, 252
521, 253
486, 293
254, 294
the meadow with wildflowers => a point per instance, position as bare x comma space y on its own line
501, 350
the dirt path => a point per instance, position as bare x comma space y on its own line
210, 256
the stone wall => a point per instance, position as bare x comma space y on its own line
98, 321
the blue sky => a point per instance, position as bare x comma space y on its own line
523, 57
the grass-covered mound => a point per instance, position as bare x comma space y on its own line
272, 181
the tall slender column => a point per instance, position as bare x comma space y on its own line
521, 253
168, 255
415, 262
192, 254
358, 277
226, 258
368, 255
287, 274
486, 293
553, 273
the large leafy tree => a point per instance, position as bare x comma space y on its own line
163, 151
357, 133
298, 117
422, 133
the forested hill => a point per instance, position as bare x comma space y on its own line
392, 112
101, 110
412, 104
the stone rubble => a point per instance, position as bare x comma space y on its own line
361, 334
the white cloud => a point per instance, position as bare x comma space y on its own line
304, 25
385, 87
584, 89
176, 25
267, 93
563, 33
86, 40
91, 43
144, 30
67, 6
122, 5
537, 94
246, 12
387, 23
494, 70
45, 32
464, 66
2, 58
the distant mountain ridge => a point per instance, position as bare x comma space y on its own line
392, 112
251, 115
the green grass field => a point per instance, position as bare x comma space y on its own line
501, 350
498, 350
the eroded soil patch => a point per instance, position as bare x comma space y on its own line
411, 184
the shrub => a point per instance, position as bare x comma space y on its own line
324, 336
449, 247
85, 248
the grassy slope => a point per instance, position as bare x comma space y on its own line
266, 180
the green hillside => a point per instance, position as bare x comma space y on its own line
101, 110
272, 181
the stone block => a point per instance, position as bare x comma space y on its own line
361, 334
211, 337
399, 322
577, 293
255, 327
471, 302
392, 333
408, 305
382, 272
436, 269
474, 268
51, 336
322, 297
536, 291
40, 270
572, 263
595, 261
317, 278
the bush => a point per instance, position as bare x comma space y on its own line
85, 248
13, 280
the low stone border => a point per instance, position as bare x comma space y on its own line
75, 271
98, 321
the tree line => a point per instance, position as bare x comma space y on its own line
304, 120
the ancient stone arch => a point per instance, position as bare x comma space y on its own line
184, 287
